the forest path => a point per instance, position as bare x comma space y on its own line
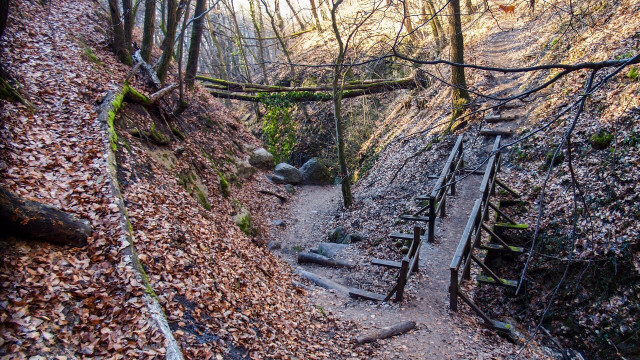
438, 334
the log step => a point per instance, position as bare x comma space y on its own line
501, 326
494, 118
498, 247
403, 236
503, 282
364, 294
414, 218
511, 226
386, 263
496, 132
423, 197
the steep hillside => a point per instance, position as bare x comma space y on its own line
182, 180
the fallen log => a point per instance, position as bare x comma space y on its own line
324, 282
280, 197
307, 257
153, 77
35, 221
386, 332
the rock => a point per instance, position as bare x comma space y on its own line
290, 189
262, 159
274, 245
245, 170
243, 220
337, 236
277, 223
289, 173
329, 249
354, 238
314, 172
276, 179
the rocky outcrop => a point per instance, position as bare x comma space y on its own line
288, 173
314, 172
262, 159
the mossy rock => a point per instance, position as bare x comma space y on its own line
243, 220
601, 140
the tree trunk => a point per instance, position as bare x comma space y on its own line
295, 15
337, 109
118, 34
4, 15
428, 16
35, 221
238, 37
278, 35
305, 257
469, 7
459, 94
386, 332
254, 8
149, 27
169, 39
438, 24
129, 21
214, 38
314, 11
407, 19
194, 46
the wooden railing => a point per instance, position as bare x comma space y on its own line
464, 256
435, 202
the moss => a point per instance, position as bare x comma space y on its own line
633, 73
549, 156
177, 132
225, 188
117, 105
157, 136
244, 223
135, 96
601, 140
202, 199
89, 55
513, 226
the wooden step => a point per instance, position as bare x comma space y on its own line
422, 197
403, 236
364, 294
503, 282
414, 218
495, 132
501, 326
511, 226
386, 263
496, 118
498, 247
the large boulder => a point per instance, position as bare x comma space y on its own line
262, 159
289, 173
314, 172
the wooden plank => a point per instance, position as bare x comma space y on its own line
402, 279
501, 326
512, 226
364, 294
466, 237
403, 236
501, 282
500, 247
496, 118
504, 186
495, 132
386, 263
415, 218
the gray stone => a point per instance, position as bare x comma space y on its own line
274, 245
329, 249
289, 173
290, 189
245, 170
337, 235
262, 159
276, 179
355, 237
314, 172
277, 222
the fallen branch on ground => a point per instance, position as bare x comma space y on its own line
386, 332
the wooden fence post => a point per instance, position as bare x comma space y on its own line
453, 290
432, 219
417, 234
402, 278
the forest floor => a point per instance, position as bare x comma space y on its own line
438, 333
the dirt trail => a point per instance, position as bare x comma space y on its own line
439, 334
